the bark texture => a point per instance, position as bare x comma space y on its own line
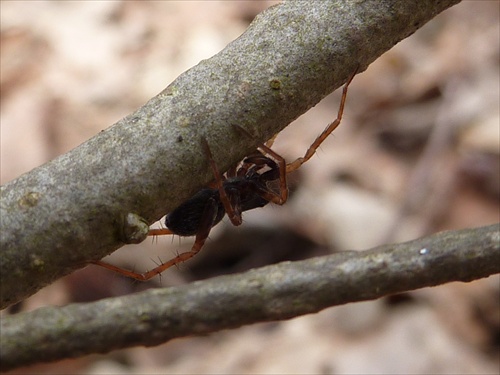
103, 194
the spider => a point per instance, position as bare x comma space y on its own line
242, 188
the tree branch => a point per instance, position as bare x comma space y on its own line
270, 293
87, 203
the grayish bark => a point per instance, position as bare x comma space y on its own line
275, 292
89, 202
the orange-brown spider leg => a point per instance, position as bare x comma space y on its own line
270, 142
328, 130
123, 271
233, 214
160, 232
206, 224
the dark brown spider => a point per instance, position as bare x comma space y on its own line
238, 190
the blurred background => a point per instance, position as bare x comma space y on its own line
417, 152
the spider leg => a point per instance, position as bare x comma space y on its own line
209, 215
254, 162
160, 232
328, 130
270, 142
282, 197
230, 205
261, 160
231, 172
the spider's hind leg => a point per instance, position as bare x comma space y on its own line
206, 224
123, 271
160, 232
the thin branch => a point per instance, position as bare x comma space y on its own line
270, 293
87, 203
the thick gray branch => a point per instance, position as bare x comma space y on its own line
271, 293
89, 202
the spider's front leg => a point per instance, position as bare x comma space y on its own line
328, 130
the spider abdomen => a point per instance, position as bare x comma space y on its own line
185, 220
